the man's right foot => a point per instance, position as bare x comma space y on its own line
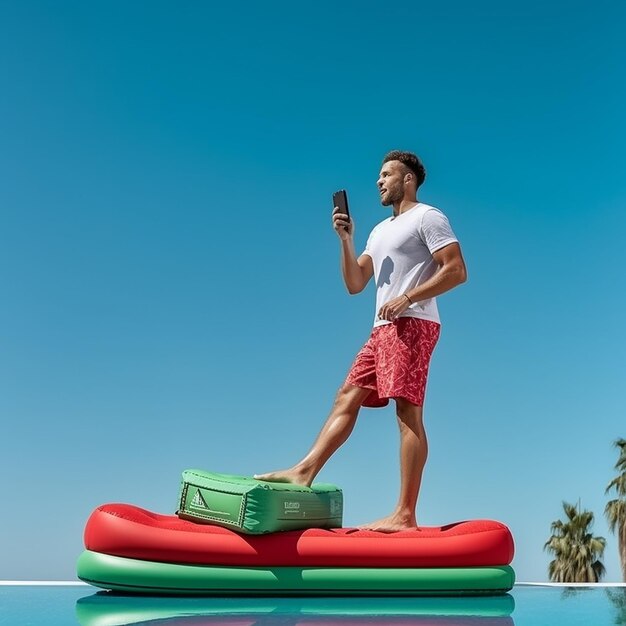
285, 476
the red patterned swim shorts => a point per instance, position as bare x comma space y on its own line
394, 361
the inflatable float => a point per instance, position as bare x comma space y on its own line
105, 609
133, 550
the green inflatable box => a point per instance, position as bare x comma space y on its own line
252, 506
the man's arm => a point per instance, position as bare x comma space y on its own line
451, 271
356, 272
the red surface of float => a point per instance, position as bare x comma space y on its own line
129, 531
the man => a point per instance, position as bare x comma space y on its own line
414, 257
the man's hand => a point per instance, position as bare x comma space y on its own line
342, 224
392, 309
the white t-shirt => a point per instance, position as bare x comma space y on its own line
401, 249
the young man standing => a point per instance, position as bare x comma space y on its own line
414, 256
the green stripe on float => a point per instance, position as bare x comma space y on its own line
137, 576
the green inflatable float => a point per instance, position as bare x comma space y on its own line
137, 576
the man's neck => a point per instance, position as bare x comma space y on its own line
404, 205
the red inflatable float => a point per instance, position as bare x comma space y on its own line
125, 530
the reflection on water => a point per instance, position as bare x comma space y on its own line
331, 621
109, 609
618, 600
590, 605
575, 592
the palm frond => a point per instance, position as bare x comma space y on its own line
576, 551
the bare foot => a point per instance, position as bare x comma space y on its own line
286, 476
391, 524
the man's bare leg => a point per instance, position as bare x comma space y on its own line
413, 453
335, 431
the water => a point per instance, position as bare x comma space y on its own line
524, 606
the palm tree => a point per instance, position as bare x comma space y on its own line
577, 552
615, 510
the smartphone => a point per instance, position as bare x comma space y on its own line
340, 200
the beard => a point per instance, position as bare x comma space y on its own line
391, 196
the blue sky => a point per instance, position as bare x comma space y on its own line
171, 293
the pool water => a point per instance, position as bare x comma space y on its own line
524, 606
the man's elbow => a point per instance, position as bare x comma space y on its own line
358, 283
460, 274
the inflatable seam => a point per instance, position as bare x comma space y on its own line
128, 518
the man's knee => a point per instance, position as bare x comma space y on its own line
407, 412
350, 397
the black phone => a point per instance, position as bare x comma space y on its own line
340, 200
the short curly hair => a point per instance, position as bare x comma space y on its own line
409, 160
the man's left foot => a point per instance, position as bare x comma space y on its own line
391, 524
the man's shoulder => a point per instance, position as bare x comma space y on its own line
430, 214
425, 208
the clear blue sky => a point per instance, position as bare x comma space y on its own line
171, 295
